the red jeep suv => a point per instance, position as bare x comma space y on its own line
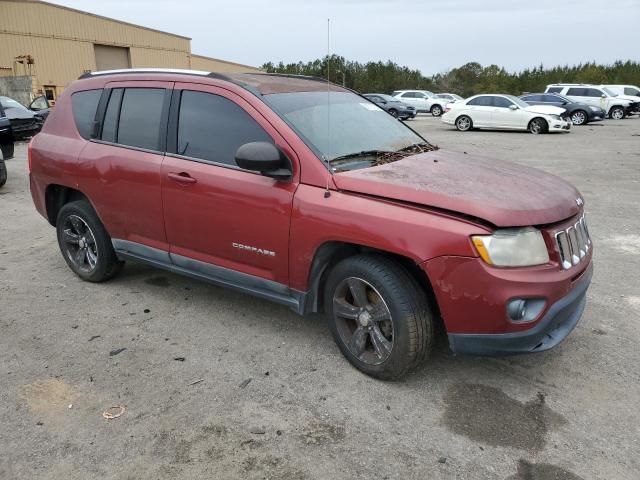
308, 194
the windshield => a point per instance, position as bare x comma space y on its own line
356, 125
518, 101
386, 97
610, 92
457, 97
8, 103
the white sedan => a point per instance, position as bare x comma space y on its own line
505, 112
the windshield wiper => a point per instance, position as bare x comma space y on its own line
364, 153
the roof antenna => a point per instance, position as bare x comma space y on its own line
327, 193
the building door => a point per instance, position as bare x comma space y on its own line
111, 58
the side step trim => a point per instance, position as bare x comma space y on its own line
259, 287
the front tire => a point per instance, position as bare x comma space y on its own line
85, 244
579, 117
393, 112
538, 125
436, 110
464, 123
616, 113
378, 316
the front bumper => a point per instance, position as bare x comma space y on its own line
558, 322
559, 126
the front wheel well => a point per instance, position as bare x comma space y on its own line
56, 196
331, 253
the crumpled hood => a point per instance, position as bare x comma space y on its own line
548, 109
502, 193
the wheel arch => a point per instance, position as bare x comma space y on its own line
538, 118
330, 253
56, 196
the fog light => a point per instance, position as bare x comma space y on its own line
525, 309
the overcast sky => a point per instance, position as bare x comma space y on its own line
431, 35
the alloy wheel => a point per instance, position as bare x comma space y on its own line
436, 111
363, 320
536, 126
463, 123
80, 244
617, 114
578, 118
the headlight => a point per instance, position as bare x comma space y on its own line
556, 117
513, 247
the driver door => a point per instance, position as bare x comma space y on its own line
505, 116
215, 212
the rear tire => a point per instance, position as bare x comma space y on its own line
538, 125
85, 244
3, 173
579, 117
464, 123
436, 110
385, 328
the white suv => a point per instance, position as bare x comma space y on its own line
424, 101
626, 92
616, 107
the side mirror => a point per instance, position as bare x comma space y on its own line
603, 96
513, 107
264, 157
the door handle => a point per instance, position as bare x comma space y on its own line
183, 178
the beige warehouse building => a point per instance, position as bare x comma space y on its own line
54, 45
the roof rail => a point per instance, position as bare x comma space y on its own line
199, 73
289, 75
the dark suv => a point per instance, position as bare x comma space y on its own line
316, 200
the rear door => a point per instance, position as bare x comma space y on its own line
120, 168
215, 212
480, 110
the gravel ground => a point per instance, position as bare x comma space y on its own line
217, 384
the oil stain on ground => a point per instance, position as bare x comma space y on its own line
486, 414
542, 471
158, 281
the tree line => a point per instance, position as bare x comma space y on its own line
466, 80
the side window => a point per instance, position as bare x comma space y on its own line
593, 92
84, 105
479, 101
551, 99
554, 89
533, 98
408, 95
110, 123
140, 117
632, 91
211, 127
577, 92
501, 102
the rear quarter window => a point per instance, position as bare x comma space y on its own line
84, 105
554, 89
